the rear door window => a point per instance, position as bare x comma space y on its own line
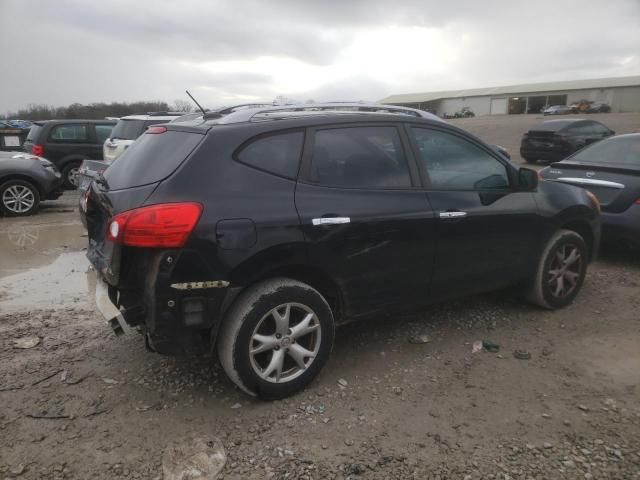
103, 132
70, 133
278, 154
359, 157
152, 158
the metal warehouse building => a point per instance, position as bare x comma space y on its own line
621, 93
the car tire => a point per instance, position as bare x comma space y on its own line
561, 270
265, 328
19, 198
70, 175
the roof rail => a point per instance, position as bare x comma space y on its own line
274, 112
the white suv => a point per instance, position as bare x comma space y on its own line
129, 128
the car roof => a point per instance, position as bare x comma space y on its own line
153, 116
79, 120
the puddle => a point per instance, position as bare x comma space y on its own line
25, 245
63, 283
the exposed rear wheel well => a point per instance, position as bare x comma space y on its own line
583, 229
316, 279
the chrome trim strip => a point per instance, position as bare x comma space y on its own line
453, 214
590, 181
330, 220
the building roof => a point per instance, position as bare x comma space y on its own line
510, 89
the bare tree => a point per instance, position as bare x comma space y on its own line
182, 106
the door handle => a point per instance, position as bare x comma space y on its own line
456, 214
330, 221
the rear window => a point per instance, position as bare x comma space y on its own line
152, 158
618, 150
128, 129
33, 133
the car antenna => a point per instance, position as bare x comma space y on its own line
196, 102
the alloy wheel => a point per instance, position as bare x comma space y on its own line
565, 270
285, 342
72, 176
18, 199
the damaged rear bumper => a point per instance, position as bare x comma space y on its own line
176, 317
107, 308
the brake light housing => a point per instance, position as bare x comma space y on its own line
37, 150
154, 130
165, 225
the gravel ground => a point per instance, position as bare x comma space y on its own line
401, 397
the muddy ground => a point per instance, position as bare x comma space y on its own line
84, 404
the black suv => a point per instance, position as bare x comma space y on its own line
257, 232
66, 143
555, 140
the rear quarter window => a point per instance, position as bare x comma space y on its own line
278, 153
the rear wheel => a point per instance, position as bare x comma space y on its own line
561, 271
19, 198
70, 175
276, 338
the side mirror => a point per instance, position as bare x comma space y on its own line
527, 180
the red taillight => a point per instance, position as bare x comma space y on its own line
637, 202
166, 225
156, 130
38, 150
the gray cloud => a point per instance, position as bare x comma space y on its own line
71, 50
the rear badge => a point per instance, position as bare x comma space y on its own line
555, 172
590, 174
199, 285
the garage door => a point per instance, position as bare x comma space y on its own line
498, 106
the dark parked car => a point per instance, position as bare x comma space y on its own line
611, 170
25, 180
598, 107
66, 143
257, 232
554, 140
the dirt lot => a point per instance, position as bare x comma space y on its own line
81, 403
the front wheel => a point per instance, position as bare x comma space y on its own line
19, 198
276, 338
561, 271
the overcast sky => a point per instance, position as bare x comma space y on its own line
63, 51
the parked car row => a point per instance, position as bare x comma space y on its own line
579, 107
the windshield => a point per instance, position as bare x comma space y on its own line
128, 129
617, 150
